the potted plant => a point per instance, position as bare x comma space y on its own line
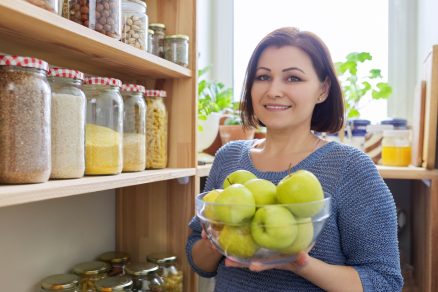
232, 128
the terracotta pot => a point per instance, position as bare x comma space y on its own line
235, 132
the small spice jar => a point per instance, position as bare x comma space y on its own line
145, 277
104, 128
50, 5
171, 275
135, 23
158, 38
123, 284
68, 123
176, 49
156, 129
90, 273
396, 148
117, 260
24, 120
60, 283
134, 127
150, 45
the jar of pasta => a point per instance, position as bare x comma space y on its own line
68, 123
171, 275
104, 128
158, 38
134, 128
24, 120
145, 277
396, 148
156, 129
122, 284
60, 283
135, 23
90, 273
176, 49
117, 260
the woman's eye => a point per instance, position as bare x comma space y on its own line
293, 79
262, 77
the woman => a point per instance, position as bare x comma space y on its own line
292, 89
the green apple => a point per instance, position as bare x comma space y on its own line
299, 187
273, 227
234, 204
237, 241
304, 237
238, 177
263, 191
209, 198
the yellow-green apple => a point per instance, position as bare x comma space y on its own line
303, 188
238, 177
304, 237
237, 241
209, 198
234, 204
273, 227
263, 191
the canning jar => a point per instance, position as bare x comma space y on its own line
68, 123
150, 45
176, 49
171, 275
158, 38
134, 23
145, 277
156, 129
123, 284
373, 141
104, 128
103, 16
24, 120
50, 5
117, 260
134, 127
60, 283
90, 273
396, 148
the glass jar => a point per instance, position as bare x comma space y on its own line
398, 124
150, 45
90, 273
114, 284
24, 120
156, 129
373, 141
171, 275
396, 148
145, 277
135, 23
103, 16
60, 283
176, 49
104, 128
68, 123
117, 260
158, 38
50, 5
134, 128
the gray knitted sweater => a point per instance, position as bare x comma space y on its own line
361, 232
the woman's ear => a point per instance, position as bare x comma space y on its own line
325, 89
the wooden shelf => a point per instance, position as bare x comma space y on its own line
19, 194
203, 170
32, 31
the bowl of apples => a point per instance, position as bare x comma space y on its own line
251, 220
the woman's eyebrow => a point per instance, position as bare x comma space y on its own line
292, 69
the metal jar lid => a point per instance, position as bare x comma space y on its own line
161, 258
91, 268
114, 257
113, 284
60, 282
177, 36
140, 269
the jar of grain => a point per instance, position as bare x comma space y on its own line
158, 38
104, 126
60, 283
68, 123
145, 277
135, 23
176, 49
50, 5
122, 284
103, 16
168, 270
90, 273
24, 120
156, 129
117, 260
134, 127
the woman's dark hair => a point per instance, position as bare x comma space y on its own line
328, 116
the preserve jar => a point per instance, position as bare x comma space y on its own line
117, 260
60, 283
134, 127
396, 148
103, 16
68, 123
104, 128
171, 275
176, 49
24, 120
134, 23
50, 5
373, 141
156, 129
150, 45
158, 38
123, 284
145, 277
90, 273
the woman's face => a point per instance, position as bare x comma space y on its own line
286, 88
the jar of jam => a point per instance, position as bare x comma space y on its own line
60, 283
122, 284
396, 148
117, 260
158, 38
169, 272
145, 277
90, 273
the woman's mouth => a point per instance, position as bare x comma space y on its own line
277, 107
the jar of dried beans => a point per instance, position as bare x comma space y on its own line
104, 126
60, 283
90, 273
68, 123
169, 272
135, 23
156, 129
176, 49
117, 260
145, 277
158, 38
103, 16
24, 120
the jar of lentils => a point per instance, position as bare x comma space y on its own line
158, 38
176, 49
156, 129
169, 272
145, 277
122, 284
25, 97
90, 273
60, 283
117, 260
135, 23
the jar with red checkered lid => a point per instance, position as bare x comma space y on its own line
24, 120
104, 126
156, 129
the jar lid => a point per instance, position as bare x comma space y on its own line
95, 80
114, 257
91, 268
161, 258
60, 281
133, 88
159, 25
118, 283
359, 122
20, 61
177, 36
397, 133
154, 92
151, 31
66, 73
397, 123
140, 269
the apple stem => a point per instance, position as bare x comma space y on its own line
289, 169
229, 181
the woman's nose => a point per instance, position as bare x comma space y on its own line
275, 89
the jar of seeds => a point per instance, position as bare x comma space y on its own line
169, 272
117, 260
113, 284
25, 98
134, 23
145, 277
60, 283
176, 49
90, 273
156, 129
158, 38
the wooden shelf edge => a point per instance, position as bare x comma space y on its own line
203, 170
20, 194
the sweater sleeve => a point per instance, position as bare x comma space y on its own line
368, 224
